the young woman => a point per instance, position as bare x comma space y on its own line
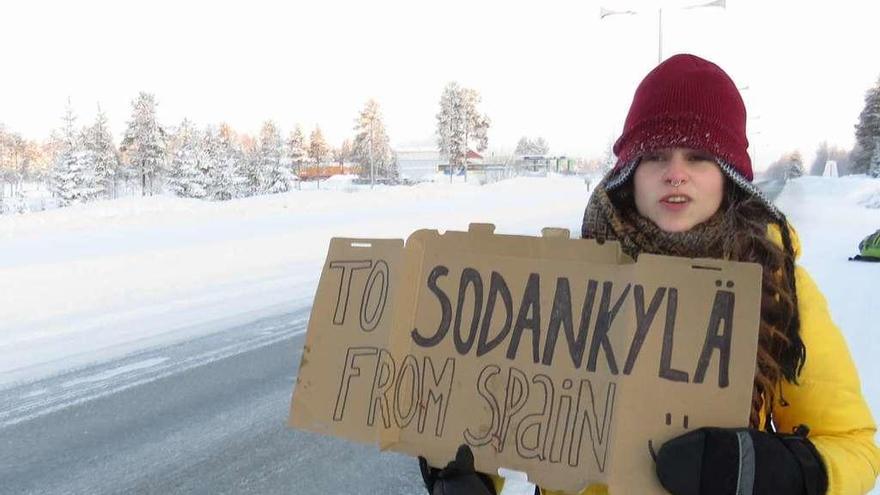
682, 187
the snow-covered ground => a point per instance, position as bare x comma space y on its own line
832, 216
90, 282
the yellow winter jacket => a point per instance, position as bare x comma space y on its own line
828, 398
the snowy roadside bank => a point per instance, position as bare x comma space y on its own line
831, 219
91, 282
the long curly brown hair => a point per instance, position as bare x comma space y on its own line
781, 351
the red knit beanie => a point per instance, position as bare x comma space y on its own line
685, 102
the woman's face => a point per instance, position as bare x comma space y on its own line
678, 188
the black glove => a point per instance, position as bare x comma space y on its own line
457, 478
741, 461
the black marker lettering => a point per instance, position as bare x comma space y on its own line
666, 369
560, 316
379, 272
469, 278
540, 422
516, 397
409, 367
598, 423
382, 382
722, 309
445, 308
486, 393
531, 304
497, 286
348, 373
347, 267
435, 390
643, 323
604, 319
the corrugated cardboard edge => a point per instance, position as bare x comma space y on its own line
399, 340
305, 418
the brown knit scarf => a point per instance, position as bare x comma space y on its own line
636, 234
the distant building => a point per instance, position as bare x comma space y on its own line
424, 164
474, 158
545, 163
478, 170
418, 164
325, 171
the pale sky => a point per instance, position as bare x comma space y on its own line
549, 68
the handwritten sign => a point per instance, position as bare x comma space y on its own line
558, 357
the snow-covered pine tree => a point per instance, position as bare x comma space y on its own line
144, 144
208, 158
795, 166
99, 142
344, 153
17, 157
459, 123
250, 166
72, 176
523, 147
371, 144
279, 178
476, 124
540, 146
17, 203
318, 148
296, 150
874, 168
7, 147
62, 181
450, 132
5, 165
86, 158
609, 160
532, 147
867, 131
185, 178
226, 181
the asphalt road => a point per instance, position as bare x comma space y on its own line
205, 416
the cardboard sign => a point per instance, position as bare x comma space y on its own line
554, 356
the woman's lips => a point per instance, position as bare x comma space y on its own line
675, 202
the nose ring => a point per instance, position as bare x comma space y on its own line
675, 183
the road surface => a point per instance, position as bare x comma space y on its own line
204, 416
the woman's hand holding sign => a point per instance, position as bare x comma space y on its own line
742, 461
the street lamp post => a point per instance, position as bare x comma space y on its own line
659, 35
603, 13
